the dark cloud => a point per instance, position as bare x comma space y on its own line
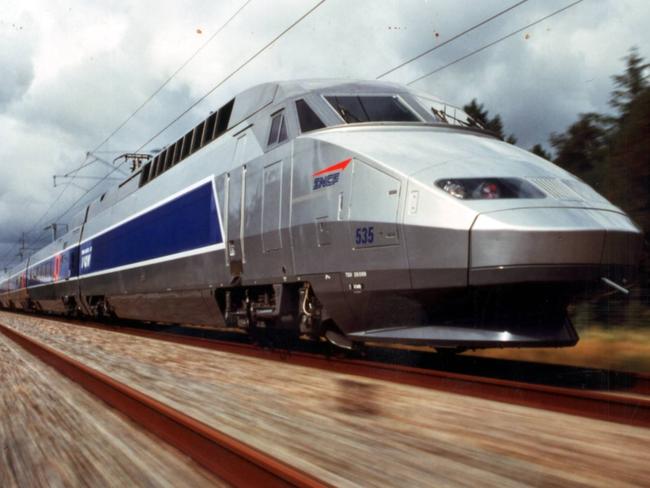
71, 75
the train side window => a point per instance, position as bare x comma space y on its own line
307, 117
187, 140
275, 129
196, 138
177, 150
224, 118
278, 132
171, 158
144, 176
161, 163
283, 130
152, 171
208, 132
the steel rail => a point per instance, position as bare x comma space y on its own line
231, 460
613, 407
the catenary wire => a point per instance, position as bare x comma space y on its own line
489, 45
160, 88
194, 104
452, 39
178, 70
86, 163
233, 73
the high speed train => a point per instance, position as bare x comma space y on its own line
359, 211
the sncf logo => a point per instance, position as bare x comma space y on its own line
329, 176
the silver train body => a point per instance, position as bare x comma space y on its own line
360, 211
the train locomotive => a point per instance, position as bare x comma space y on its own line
357, 211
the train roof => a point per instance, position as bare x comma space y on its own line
293, 88
259, 96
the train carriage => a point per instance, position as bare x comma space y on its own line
358, 211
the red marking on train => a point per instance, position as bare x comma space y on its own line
57, 267
338, 166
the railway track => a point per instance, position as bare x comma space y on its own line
630, 406
228, 458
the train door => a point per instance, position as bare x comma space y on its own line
236, 193
271, 207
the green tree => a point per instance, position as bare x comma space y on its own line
629, 165
482, 119
586, 148
539, 150
583, 148
630, 84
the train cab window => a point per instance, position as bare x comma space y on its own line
371, 108
307, 117
278, 131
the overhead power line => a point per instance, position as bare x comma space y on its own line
178, 70
86, 163
9, 253
489, 45
158, 90
461, 34
232, 73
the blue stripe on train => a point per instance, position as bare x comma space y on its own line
188, 222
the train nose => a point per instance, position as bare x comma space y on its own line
552, 245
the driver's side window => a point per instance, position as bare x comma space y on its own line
278, 132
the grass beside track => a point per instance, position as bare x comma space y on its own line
621, 349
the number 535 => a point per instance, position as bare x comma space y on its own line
364, 235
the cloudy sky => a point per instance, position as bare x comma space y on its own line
73, 71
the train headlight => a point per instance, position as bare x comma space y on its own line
455, 189
489, 188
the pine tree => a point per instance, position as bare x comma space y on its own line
583, 148
630, 84
539, 150
629, 165
586, 148
481, 118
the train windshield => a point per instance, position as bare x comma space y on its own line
371, 108
448, 114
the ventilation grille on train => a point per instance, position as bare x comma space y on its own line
556, 188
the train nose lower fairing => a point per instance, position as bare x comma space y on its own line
524, 267
552, 245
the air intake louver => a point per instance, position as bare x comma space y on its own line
556, 188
